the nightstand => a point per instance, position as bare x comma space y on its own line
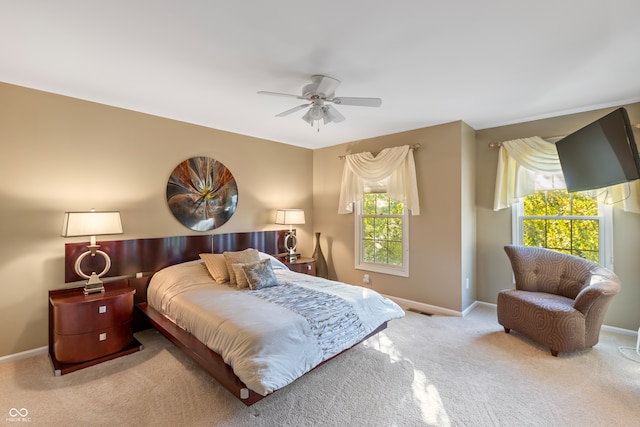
302, 265
85, 330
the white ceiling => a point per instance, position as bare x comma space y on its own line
488, 63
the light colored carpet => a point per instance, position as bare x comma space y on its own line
423, 370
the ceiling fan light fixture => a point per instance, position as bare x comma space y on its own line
326, 119
333, 114
307, 117
316, 112
329, 116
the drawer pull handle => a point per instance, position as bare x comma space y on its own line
102, 309
103, 336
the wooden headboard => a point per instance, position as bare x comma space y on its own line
146, 256
135, 261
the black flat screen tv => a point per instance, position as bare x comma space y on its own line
600, 154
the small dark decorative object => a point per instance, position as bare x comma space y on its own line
202, 193
321, 264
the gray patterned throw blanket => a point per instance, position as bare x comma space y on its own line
333, 320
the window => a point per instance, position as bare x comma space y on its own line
382, 235
572, 223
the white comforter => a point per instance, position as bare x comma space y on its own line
267, 345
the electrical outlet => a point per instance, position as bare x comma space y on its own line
467, 283
366, 279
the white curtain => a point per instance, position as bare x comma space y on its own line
522, 161
519, 161
624, 196
392, 171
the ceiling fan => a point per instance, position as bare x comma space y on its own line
318, 94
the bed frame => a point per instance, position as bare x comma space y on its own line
136, 260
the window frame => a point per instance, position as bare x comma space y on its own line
605, 229
394, 270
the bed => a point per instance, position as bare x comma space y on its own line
254, 340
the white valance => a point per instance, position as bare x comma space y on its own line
522, 161
519, 161
392, 171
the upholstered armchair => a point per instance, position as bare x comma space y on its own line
559, 301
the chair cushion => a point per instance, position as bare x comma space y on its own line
548, 319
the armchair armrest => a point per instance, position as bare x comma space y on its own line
601, 287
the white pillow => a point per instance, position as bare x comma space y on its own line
276, 264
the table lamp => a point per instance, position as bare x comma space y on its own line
92, 224
290, 217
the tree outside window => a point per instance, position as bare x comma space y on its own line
382, 229
562, 221
382, 235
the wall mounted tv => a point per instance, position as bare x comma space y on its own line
600, 154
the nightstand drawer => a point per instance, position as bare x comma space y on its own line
82, 314
91, 345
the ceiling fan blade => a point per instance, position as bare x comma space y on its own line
361, 102
263, 92
332, 115
326, 85
292, 110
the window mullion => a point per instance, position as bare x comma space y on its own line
544, 224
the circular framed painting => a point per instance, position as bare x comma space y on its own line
202, 193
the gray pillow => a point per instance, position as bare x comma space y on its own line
260, 275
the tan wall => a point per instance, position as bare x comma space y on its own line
61, 154
468, 216
437, 258
64, 154
494, 228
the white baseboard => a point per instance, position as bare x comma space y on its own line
428, 308
619, 330
604, 327
23, 355
405, 303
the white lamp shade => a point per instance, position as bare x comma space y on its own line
91, 223
290, 216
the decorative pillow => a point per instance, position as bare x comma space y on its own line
241, 278
239, 257
217, 266
260, 274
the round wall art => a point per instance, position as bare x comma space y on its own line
202, 193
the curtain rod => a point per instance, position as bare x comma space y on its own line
499, 144
411, 147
